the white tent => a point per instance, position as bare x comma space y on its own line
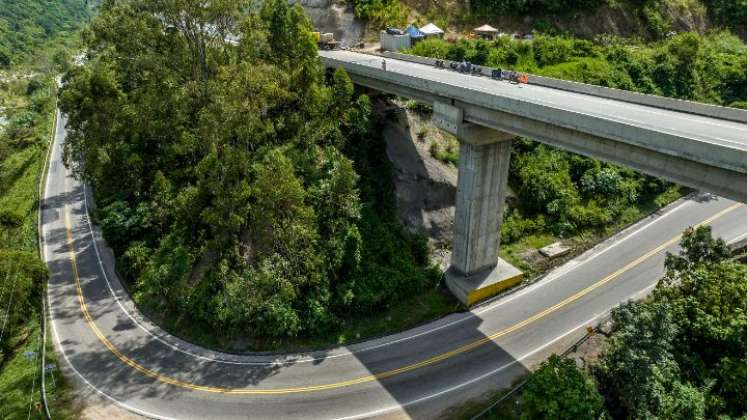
486, 32
486, 29
431, 30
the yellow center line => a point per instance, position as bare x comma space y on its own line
363, 379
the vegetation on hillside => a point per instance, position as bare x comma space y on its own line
678, 355
653, 15
381, 13
649, 19
220, 174
24, 140
34, 37
26, 25
520, 7
729, 12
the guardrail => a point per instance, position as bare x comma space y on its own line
696, 108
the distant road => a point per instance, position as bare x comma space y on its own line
417, 373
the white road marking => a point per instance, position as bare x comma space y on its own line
302, 358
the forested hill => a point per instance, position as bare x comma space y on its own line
647, 19
27, 24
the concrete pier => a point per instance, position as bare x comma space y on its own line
484, 155
481, 191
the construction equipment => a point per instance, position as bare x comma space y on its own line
326, 40
511, 76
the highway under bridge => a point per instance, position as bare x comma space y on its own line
697, 145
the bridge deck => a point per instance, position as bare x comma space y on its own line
729, 137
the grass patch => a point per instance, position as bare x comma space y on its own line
20, 384
448, 153
22, 155
424, 307
20, 179
506, 409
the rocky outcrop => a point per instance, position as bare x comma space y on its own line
330, 16
425, 187
618, 19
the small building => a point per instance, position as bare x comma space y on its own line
395, 40
431, 30
486, 32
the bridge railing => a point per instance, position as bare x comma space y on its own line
696, 108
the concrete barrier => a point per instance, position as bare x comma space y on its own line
726, 113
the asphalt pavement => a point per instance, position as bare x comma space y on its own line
731, 135
418, 373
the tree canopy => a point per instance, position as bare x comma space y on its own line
682, 353
27, 24
213, 141
560, 390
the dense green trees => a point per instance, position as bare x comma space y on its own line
564, 193
681, 354
731, 12
560, 390
27, 24
219, 171
639, 374
493, 7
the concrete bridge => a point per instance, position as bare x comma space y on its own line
697, 145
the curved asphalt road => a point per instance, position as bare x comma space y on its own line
417, 373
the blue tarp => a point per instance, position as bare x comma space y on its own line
414, 32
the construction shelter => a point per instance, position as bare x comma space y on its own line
415, 33
486, 32
394, 39
431, 30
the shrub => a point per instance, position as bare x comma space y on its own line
22, 274
446, 154
10, 219
560, 390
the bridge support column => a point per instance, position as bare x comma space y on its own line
476, 272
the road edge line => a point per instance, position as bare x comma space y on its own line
41, 197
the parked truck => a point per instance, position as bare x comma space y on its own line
325, 40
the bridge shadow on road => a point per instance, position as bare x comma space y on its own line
418, 373
431, 373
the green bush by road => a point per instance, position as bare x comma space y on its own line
681, 354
